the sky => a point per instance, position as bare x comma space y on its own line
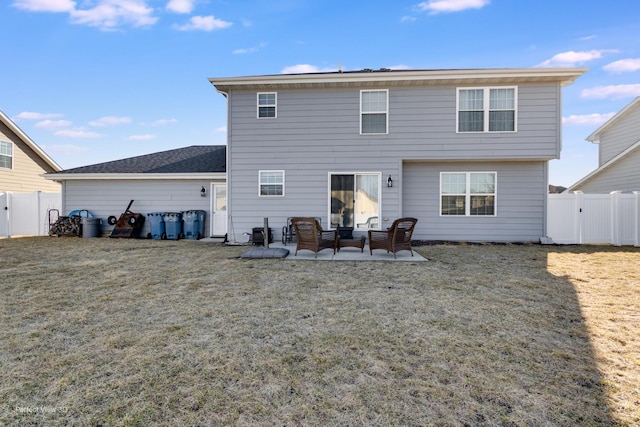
97, 80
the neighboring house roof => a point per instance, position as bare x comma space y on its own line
385, 77
29, 142
595, 136
181, 163
605, 166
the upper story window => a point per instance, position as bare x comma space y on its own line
6, 154
267, 102
374, 111
487, 109
271, 183
468, 193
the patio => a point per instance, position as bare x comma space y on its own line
345, 254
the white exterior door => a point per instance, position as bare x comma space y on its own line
218, 209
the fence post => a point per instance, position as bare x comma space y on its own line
9, 219
579, 226
4, 215
616, 239
636, 218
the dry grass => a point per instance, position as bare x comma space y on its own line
132, 332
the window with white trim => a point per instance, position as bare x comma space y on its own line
6, 155
374, 111
267, 102
468, 193
491, 109
271, 183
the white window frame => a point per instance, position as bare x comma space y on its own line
274, 105
7, 146
261, 183
486, 110
468, 194
386, 112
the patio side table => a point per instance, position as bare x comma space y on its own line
352, 243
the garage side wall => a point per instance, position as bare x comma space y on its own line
111, 197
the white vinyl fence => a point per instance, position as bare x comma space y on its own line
594, 218
27, 214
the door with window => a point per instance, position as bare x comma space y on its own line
218, 209
354, 200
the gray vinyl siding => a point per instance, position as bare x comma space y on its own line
317, 131
620, 136
520, 202
623, 176
422, 124
110, 197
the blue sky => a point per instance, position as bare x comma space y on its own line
98, 80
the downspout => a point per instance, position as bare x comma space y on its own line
228, 162
545, 198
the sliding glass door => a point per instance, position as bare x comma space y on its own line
354, 200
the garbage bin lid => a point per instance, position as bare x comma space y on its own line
83, 213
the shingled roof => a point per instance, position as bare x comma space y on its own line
194, 159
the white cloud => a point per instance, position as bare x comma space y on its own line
110, 121
77, 133
447, 6
145, 137
64, 148
586, 38
250, 49
45, 5
623, 66
305, 68
203, 23
110, 14
407, 19
30, 115
573, 59
222, 129
587, 119
107, 15
612, 92
53, 124
181, 6
162, 122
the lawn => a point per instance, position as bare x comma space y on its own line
117, 332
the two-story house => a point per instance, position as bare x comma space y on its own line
464, 151
618, 154
22, 161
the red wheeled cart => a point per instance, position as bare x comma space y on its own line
128, 225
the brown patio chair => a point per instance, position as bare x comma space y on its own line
311, 236
395, 238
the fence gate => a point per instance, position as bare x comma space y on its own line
27, 213
594, 218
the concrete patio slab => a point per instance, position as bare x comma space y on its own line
348, 254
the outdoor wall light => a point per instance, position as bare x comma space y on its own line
389, 182
203, 192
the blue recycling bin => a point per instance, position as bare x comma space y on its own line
157, 226
173, 225
193, 224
